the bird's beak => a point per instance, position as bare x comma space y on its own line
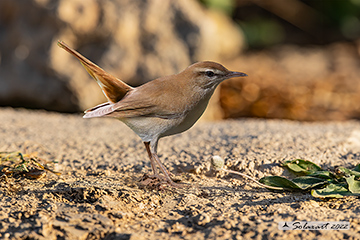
236, 74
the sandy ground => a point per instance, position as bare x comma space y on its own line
99, 195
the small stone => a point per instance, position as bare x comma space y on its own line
204, 219
314, 204
107, 173
217, 162
227, 225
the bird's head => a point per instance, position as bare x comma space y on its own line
208, 75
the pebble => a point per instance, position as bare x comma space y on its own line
204, 219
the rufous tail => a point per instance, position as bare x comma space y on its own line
113, 88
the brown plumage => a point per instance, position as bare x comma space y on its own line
162, 107
113, 88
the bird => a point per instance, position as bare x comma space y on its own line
159, 108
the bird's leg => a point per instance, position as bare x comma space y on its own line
154, 158
147, 145
164, 170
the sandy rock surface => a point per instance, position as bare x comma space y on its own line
99, 196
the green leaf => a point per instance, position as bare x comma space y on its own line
323, 174
354, 185
350, 172
357, 168
302, 166
331, 185
331, 191
277, 181
307, 182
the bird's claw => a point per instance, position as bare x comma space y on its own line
158, 182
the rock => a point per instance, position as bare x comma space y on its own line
26, 76
292, 82
134, 40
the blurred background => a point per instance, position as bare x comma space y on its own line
302, 56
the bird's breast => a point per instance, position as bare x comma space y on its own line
188, 119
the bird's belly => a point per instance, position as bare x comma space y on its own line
147, 128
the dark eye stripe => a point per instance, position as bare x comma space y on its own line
209, 73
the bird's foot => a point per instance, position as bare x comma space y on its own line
158, 182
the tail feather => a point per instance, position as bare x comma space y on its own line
99, 111
113, 88
97, 107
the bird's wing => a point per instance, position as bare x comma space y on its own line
147, 100
142, 108
113, 88
129, 109
152, 100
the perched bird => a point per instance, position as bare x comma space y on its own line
159, 108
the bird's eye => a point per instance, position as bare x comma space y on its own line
209, 73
